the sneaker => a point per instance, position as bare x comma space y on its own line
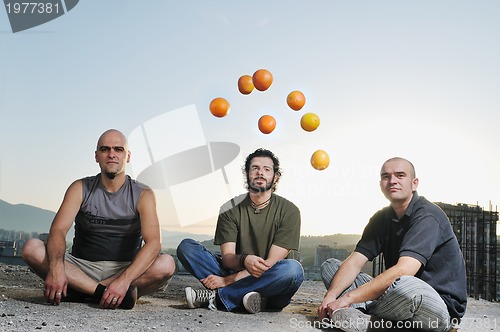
200, 298
349, 320
253, 302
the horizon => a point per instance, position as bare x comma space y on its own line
178, 231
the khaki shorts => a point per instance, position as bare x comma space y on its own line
99, 270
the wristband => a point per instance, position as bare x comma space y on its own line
242, 260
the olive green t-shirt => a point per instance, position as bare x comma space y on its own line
254, 233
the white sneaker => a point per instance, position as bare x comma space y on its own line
253, 302
349, 320
200, 298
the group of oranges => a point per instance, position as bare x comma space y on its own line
261, 80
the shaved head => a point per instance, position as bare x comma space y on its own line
413, 173
112, 131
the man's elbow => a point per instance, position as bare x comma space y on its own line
407, 266
154, 246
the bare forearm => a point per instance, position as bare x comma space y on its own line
344, 278
56, 247
142, 261
373, 289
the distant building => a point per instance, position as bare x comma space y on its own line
44, 237
324, 252
498, 269
8, 253
12, 244
11, 235
476, 233
294, 254
7, 248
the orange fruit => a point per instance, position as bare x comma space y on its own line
245, 84
267, 124
262, 79
296, 100
309, 122
320, 160
219, 107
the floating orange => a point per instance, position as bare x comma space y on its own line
296, 100
320, 160
267, 124
245, 84
309, 122
262, 79
219, 107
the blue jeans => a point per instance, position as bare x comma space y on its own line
407, 299
278, 284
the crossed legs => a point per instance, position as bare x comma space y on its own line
407, 299
153, 279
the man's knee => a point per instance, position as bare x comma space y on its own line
328, 270
414, 294
33, 251
185, 246
163, 267
291, 269
331, 264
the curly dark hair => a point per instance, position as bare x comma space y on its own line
260, 152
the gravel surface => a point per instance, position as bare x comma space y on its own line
23, 308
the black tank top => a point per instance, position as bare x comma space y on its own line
108, 227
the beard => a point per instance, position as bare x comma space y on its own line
260, 189
110, 175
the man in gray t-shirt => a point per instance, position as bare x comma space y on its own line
424, 284
113, 215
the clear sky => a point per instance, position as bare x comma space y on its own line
416, 79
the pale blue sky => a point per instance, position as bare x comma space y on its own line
417, 79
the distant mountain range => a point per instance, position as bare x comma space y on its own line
27, 218
172, 239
